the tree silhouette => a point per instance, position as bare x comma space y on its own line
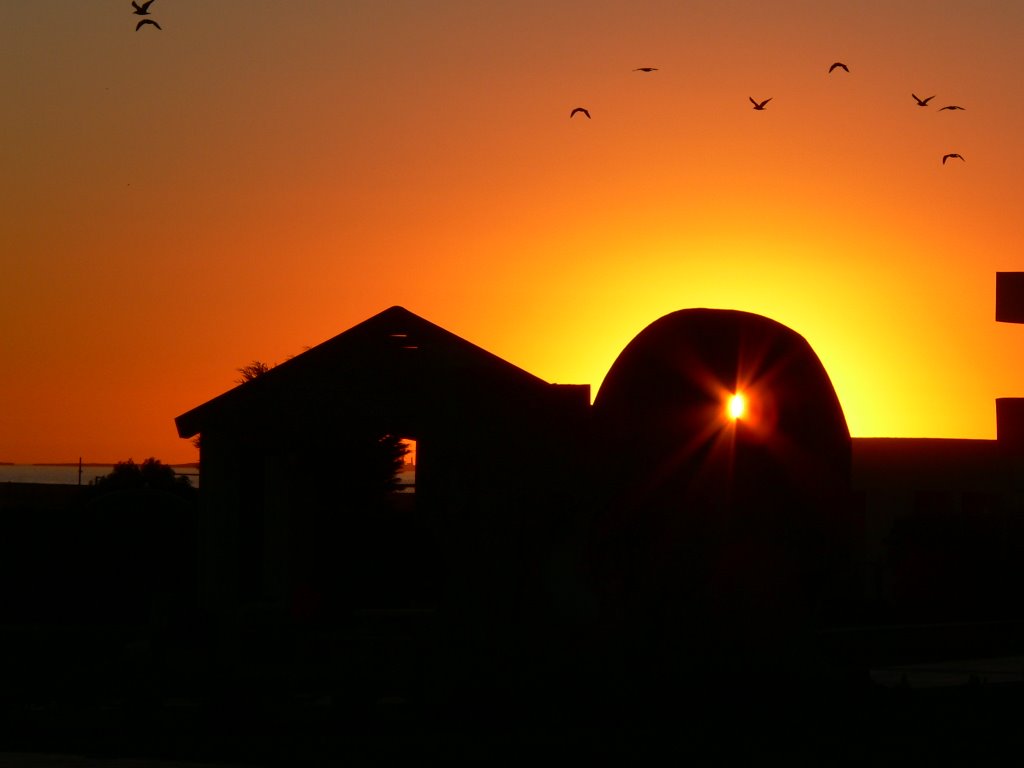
137, 543
151, 474
253, 370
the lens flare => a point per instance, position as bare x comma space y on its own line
737, 406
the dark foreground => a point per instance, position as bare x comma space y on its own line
114, 693
969, 724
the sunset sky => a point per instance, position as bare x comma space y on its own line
259, 176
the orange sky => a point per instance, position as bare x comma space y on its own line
259, 176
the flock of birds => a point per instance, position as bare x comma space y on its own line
143, 10
760, 105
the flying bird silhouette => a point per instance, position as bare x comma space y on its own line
951, 154
838, 64
146, 21
646, 69
759, 104
951, 106
580, 109
922, 102
141, 10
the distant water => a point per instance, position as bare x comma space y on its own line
68, 475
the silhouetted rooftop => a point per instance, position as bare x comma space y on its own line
392, 358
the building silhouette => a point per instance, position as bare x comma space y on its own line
656, 569
536, 517
652, 519
285, 530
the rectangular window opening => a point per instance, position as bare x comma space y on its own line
407, 472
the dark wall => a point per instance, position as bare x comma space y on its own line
713, 529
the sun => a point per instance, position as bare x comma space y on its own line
737, 406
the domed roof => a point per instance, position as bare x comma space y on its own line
664, 402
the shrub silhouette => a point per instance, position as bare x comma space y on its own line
137, 548
151, 474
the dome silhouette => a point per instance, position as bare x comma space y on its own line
736, 521
663, 408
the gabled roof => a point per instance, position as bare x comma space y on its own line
395, 357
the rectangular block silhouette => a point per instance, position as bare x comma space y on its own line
1010, 423
1010, 297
